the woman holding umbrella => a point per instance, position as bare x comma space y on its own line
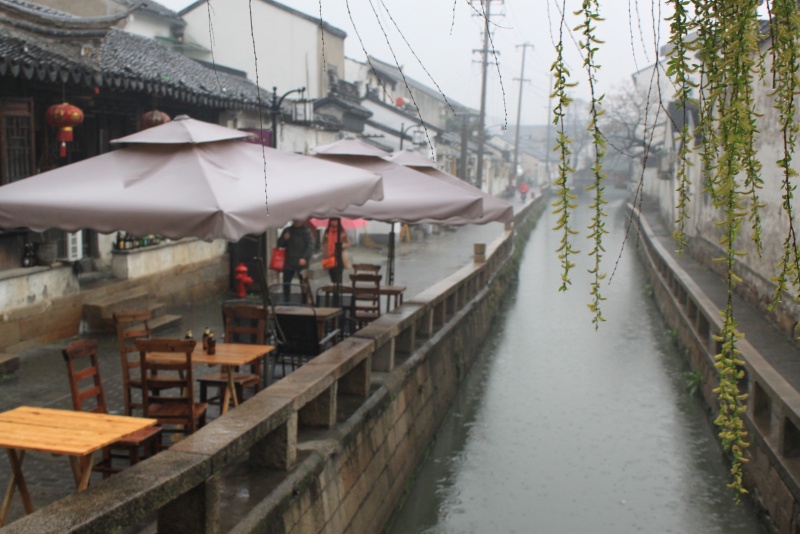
334, 235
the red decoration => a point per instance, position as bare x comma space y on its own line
242, 280
64, 117
154, 118
400, 101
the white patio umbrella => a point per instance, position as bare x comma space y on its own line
409, 196
185, 178
494, 209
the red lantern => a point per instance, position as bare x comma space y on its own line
400, 101
154, 118
64, 117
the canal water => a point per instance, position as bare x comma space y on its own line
562, 428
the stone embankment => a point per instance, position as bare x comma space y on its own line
690, 297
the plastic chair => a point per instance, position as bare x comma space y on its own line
81, 359
296, 337
131, 325
168, 387
244, 323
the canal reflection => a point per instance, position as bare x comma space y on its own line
564, 429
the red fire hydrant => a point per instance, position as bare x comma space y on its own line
242, 280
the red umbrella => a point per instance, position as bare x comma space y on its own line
347, 224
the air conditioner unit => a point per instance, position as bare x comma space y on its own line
74, 246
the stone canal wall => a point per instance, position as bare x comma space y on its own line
331, 447
772, 474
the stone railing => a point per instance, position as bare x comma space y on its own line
773, 405
331, 446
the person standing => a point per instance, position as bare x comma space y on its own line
299, 245
329, 240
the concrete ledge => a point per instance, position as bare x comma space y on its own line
236, 432
123, 499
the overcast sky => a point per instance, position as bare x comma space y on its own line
444, 33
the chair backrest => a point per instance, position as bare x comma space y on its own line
366, 296
131, 325
300, 333
81, 359
368, 268
246, 323
168, 386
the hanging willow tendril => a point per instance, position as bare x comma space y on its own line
590, 44
680, 68
785, 30
565, 202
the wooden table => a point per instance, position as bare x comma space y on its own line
228, 355
394, 294
75, 434
325, 316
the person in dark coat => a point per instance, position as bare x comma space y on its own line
299, 245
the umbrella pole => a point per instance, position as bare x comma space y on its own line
337, 285
390, 262
267, 302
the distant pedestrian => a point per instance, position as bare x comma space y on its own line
334, 233
299, 245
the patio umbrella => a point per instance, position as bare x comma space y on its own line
494, 209
409, 196
185, 178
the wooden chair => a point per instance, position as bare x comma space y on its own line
366, 268
366, 303
131, 325
168, 387
86, 387
244, 323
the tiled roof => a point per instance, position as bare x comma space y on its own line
122, 61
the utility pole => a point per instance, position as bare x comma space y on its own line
484, 63
547, 148
522, 80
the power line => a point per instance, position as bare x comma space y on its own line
522, 81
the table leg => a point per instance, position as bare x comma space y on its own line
82, 469
232, 389
17, 480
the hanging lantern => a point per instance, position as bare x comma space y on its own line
154, 118
64, 117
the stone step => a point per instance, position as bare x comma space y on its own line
99, 313
164, 321
9, 364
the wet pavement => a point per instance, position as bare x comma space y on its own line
42, 380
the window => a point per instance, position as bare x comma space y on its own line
16, 139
